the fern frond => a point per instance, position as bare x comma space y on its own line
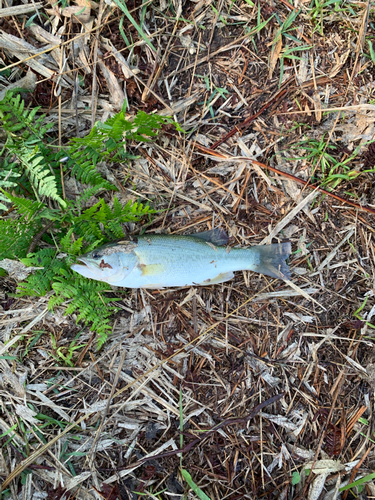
42, 180
40, 282
87, 297
82, 165
70, 246
15, 117
112, 219
15, 236
76, 205
25, 206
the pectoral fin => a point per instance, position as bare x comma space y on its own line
220, 278
151, 269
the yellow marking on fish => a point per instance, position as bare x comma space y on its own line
151, 269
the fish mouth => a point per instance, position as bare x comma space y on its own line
86, 262
90, 264
85, 268
85, 265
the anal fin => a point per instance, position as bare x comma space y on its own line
220, 278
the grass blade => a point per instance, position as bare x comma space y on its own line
200, 494
142, 34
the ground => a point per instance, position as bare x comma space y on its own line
254, 388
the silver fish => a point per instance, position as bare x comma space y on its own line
158, 261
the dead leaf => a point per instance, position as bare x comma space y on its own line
26, 413
275, 53
16, 269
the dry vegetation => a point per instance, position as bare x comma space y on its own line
256, 388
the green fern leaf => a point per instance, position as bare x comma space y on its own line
15, 236
43, 181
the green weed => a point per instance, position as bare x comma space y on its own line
326, 168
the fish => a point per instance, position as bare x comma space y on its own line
157, 261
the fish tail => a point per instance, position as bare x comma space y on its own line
271, 260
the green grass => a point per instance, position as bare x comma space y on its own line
327, 169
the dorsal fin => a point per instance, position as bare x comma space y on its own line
215, 236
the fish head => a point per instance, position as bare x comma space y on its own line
106, 263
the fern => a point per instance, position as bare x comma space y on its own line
82, 165
16, 235
108, 140
67, 244
85, 296
32, 209
90, 222
30, 182
110, 137
40, 283
44, 183
8, 176
16, 118
31, 160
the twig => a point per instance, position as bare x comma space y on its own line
246, 122
38, 236
356, 469
288, 176
322, 434
104, 415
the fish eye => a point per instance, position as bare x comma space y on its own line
96, 255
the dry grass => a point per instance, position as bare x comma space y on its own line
245, 385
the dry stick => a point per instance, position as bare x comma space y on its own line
246, 122
59, 122
150, 90
15, 20
75, 86
356, 469
146, 92
218, 10
104, 415
39, 452
289, 176
192, 75
94, 91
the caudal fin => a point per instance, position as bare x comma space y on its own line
272, 260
